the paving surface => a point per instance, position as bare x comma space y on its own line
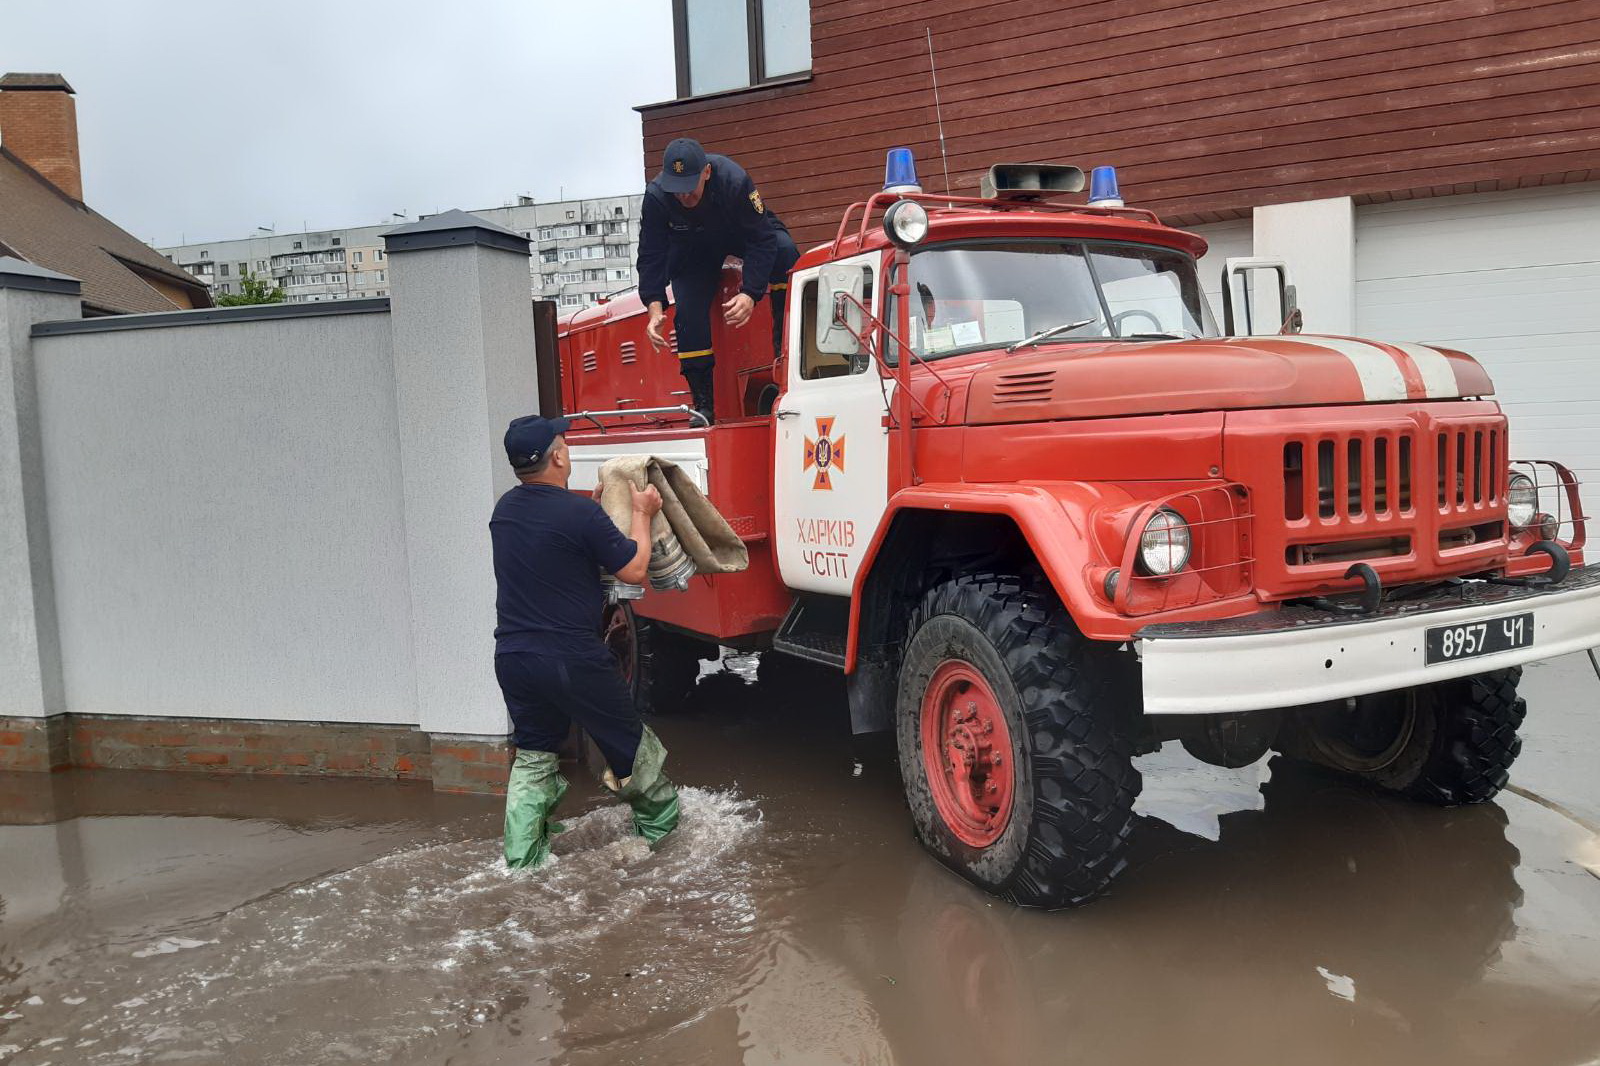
1269, 914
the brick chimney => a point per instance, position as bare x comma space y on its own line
39, 125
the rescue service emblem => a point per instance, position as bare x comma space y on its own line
824, 454
755, 202
677, 166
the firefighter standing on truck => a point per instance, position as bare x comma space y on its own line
698, 211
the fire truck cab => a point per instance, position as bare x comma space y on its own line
1011, 478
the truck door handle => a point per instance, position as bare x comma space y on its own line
781, 413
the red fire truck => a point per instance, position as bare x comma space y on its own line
1010, 478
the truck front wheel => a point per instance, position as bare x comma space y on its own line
1450, 742
1015, 768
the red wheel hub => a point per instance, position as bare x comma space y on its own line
966, 749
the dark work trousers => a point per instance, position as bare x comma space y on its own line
695, 282
545, 694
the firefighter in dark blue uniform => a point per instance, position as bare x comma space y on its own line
698, 211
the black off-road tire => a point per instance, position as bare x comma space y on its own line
1461, 745
1075, 782
664, 665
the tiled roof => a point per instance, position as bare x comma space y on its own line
42, 225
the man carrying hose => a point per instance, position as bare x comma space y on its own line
550, 546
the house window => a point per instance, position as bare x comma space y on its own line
616, 212
377, 255
205, 255
261, 264
616, 227
547, 233
224, 269
358, 257
336, 242
729, 44
223, 289
572, 214
548, 255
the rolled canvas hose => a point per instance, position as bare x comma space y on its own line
688, 536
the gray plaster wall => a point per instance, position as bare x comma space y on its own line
226, 520
30, 655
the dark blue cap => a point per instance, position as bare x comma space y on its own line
529, 437
681, 165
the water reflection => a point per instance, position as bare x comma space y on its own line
1270, 914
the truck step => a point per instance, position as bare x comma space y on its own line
815, 630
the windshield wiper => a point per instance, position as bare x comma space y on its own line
1053, 331
1169, 335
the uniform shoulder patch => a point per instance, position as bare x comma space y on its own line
755, 202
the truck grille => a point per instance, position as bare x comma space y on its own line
1417, 494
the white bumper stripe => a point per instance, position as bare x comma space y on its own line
1437, 374
1289, 668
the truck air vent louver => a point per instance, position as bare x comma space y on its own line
1025, 386
591, 362
629, 352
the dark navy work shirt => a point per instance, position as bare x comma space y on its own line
550, 545
730, 219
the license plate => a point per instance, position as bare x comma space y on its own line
1446, 644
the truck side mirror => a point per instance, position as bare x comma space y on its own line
840, 294
1253, 306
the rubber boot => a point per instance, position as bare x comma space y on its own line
534, 789
702, 392
654, 799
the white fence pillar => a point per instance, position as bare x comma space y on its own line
462, 318
30, 646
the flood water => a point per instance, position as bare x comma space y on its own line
1269, 914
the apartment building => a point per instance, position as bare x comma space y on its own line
581, 251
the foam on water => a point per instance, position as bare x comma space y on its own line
425, 944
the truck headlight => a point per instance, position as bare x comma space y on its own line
1164, 544
906, 223
1522, 501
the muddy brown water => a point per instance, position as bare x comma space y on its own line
1268, 915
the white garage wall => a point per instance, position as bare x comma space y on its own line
1512, 278
1227, 240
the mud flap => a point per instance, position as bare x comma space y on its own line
871, 690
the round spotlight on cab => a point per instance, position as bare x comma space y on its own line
1164, 544
906, 223
1522, 501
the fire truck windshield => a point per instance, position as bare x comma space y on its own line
977, 296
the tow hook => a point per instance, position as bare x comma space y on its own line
1371, 593
1560, 567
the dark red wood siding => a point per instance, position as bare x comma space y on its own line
1207, 109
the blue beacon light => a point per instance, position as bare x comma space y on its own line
900, 172
1103, 191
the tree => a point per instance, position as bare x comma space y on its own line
252, 290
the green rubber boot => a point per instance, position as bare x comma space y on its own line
653, 798
535, 787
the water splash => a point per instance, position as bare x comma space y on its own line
442, 938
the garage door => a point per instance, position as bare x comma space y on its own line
1512, 278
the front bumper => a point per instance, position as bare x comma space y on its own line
1302, 655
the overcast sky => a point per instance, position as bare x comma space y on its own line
202, 121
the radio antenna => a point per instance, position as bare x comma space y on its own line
938, 111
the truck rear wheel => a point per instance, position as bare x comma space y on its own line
1448, 743
661, 666
1015, 769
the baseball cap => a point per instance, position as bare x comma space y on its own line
528, 438
681, 165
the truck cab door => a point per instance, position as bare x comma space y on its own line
831, 482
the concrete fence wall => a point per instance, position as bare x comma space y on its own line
262, 515
227, 526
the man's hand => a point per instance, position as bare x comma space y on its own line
658, 318
647, 502
737, 311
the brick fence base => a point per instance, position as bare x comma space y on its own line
332, 749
